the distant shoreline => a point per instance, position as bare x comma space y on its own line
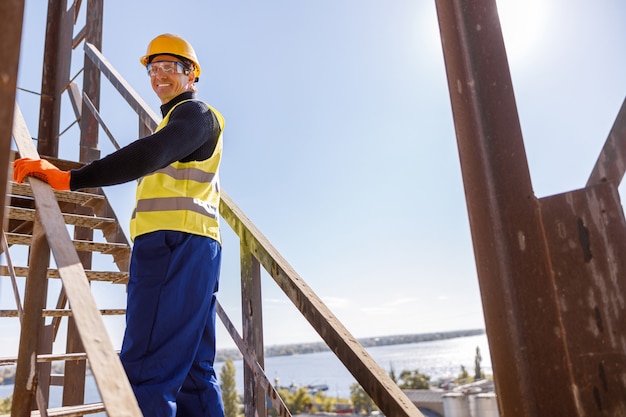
7, 374
223, 355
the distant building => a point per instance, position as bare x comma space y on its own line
477, 399
430, 401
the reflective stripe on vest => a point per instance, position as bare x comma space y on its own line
176, 203
183, 196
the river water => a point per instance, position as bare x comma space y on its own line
440, 359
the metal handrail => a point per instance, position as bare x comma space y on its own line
381, 388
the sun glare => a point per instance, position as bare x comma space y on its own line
522, 23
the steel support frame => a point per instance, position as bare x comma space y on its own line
550, 271
91, 84
55, 75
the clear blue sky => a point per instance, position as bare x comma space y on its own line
340, 143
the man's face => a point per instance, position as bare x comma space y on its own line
168, 78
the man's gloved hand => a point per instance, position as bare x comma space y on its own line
42, 169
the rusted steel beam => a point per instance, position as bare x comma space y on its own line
11, 17
374, 380
91, 84
530, 358
55, 75
611, 163
586, 234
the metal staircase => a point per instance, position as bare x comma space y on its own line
40, 219
22, 215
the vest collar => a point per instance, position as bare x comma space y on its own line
165, 108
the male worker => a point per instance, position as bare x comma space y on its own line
169, 343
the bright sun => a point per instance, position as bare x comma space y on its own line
522, 23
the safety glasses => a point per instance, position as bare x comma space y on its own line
165, 67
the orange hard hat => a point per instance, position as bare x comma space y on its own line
169, 44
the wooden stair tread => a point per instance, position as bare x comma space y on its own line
76, 197
20, 213
115, 277
65, 313
72, 410
80, 245
48, 357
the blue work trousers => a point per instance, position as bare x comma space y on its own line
169, 344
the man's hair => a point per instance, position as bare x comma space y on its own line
187, 64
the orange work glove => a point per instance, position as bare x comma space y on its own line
42, 169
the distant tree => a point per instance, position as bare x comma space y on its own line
5, 405
323, 402
229, 389
413, 380
463, 377
299, 402
361, 401
478, 373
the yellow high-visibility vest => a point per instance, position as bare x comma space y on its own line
183, 196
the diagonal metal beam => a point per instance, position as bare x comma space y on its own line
146, 115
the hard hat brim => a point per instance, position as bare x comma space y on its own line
169, 44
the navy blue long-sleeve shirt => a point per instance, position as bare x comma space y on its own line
190, 135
